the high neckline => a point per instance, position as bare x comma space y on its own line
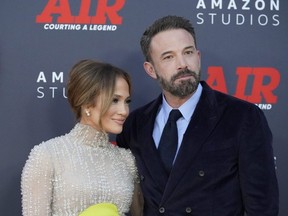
87, 135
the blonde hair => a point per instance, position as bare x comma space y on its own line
87, 80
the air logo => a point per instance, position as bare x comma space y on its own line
264, 81
60, 9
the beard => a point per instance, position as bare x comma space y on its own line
184, 87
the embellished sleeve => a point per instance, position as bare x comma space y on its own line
36, 183
130, 162
136, 208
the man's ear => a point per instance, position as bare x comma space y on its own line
149, 68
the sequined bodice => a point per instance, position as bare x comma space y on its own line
67, 174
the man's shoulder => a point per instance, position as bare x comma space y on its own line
220, 97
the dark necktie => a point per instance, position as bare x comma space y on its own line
169, 140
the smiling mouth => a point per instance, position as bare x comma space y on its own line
119, 121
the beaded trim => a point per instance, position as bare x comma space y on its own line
87, 135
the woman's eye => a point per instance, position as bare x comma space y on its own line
128, 101
115, 100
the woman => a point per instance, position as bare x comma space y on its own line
81, 172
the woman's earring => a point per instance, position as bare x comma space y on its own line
87, 113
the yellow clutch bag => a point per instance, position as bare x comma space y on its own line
101, 209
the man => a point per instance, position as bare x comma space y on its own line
223, 164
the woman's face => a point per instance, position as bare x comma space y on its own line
113, 119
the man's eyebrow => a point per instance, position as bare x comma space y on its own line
168, 52
165, 53
190, 47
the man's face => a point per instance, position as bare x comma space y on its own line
175, 62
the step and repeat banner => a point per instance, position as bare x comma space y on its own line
243, 44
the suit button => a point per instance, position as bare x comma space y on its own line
201, 173
161, 210
141, 178
188, 210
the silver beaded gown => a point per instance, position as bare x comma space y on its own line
67, 174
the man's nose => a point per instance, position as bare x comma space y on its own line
181, 63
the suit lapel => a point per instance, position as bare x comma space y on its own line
201, 125
150, 155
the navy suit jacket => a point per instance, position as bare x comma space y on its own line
225, 166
